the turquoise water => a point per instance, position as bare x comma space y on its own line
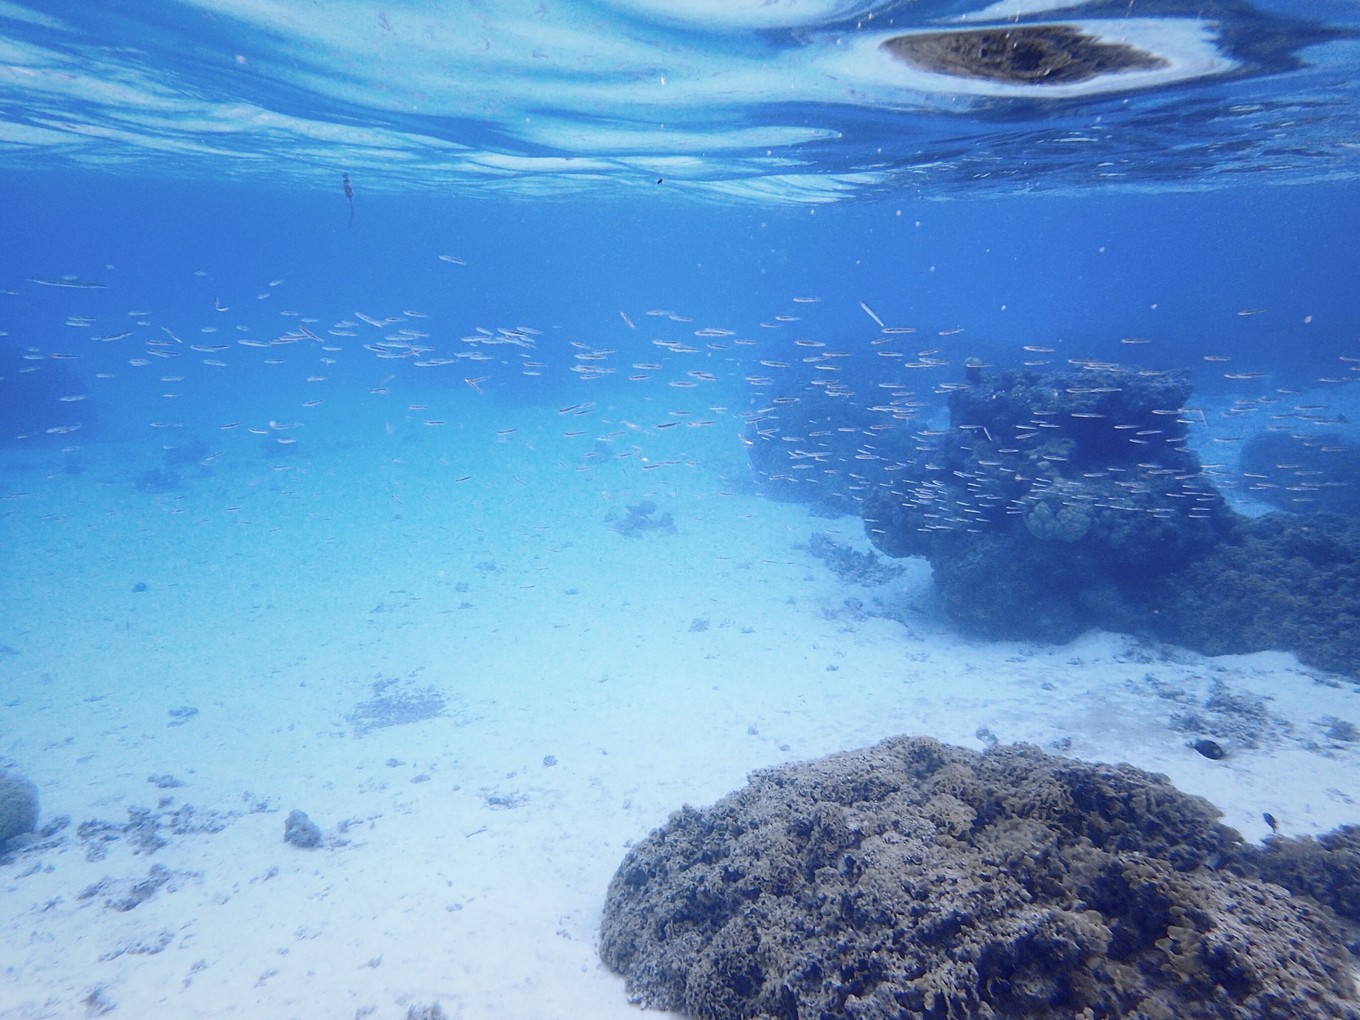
353, 348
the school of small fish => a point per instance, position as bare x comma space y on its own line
811, 409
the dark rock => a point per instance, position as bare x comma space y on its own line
180, 716
301, 831
1210, 749
917, 879
98, 1003
18, 806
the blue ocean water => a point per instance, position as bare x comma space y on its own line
193, 155
1260, 275
291, 293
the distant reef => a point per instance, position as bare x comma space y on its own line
807, 445
1059, 502
1317, 471
42, 401
916, 879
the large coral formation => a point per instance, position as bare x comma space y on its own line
1055, 503
1326, 869
917, 879
1277, 581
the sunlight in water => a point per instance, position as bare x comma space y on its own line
752, 95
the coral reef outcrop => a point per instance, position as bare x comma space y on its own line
917, 879
1059, 502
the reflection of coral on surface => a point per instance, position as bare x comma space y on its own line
1056, 503
1020, 54
917, 879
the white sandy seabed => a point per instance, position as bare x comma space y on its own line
590, 683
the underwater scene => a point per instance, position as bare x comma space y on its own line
743, 510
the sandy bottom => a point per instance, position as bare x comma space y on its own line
483, 693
